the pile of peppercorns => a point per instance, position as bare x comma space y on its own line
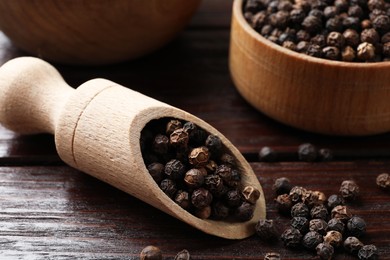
318, 223
196, 170
346, 30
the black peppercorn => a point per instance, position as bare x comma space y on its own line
250, 194
351, 37
219, 211
334, 200
335, 39
318, 225
297, 16
319, 40
314, 50
199, 156
356, 11
233, 198
319, 211
161, 144
381, 23
352, 245
194, 178
325, 251
267, 154
336, 225
356, 226
291, 238
368, 252
383, 181
312, 24
385, 38
300, 210
258, 20
297, 193
370, 35
203, 213
331, 53
225, 172
302, 46
151, 253
348, 54
341, 5
300, 223
156, 170
179, 138
183, 255
285, 6
341, 212
284, 204
168, 186
234, 179
282, 185
266, 230
215, 185
307, 152
366, 51
244, 212
334, 24
334, 238
201, 198
214, 144
386, 50
174, 169
376, 4
172, 125
182, 198
313, 198
311, 240
349, 190
325, 155
330, 11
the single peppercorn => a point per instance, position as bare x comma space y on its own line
302, 46
349, 190
300, 223
300, 210
151, 253
386, 50
370, 35
383, 181
267, 154
307, 152
179, 138
227, 159
381, 23
174, 169
183, 255
156, 170
348, 54
325, 155
314, 50
335, 39
368, 252
215, 185
331, 53
214, 144
355, 11
311, 240
352, 245
318, 225
234, 179
272, 256
334, 200
291, 238
250, 194
296, 194
351, 23
334, 238
312, 24
225, 172
356, 226
325, 251
219, 210
297, 16
244, 212
194, 178
376, 4
282, 185
351, 37
341, 212
330, 11
201, 198
336, 225
172, 125
334, 24
161, 144
319, 211
319, 40
182, 198
199, 156
266, 230
203, 213
258, 20
284, 204
366, 51
233, 198
385, 38
365, 24
168, 186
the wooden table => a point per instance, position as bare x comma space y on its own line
51, 211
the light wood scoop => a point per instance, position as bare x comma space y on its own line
97, 130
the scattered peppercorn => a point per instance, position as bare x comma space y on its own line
325, 154
352, 245
341, 212
368, 252
349, 190
284, 204
300, 223
383, 181
307, 152
334, 238
356, 226
267, 154
250, 194
318, 225
313, 198
319, 211
151, 253
291, 238
312, 239
244, 212
300, 210
272, 256
336, 225
156, 170
296, 194
266, 230
325, 251
282, 185
334, 200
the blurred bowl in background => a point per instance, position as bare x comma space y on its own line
93, 31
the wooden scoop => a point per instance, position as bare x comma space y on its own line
97, 130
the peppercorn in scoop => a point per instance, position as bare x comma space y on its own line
196, 170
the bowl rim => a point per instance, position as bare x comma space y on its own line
238, 13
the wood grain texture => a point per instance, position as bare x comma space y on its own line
93, 32
319, 95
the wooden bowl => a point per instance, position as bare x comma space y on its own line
93, 31
318, 95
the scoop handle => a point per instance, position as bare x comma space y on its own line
32, 95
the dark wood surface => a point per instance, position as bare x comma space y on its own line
51, 211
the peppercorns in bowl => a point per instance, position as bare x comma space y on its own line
318, 65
